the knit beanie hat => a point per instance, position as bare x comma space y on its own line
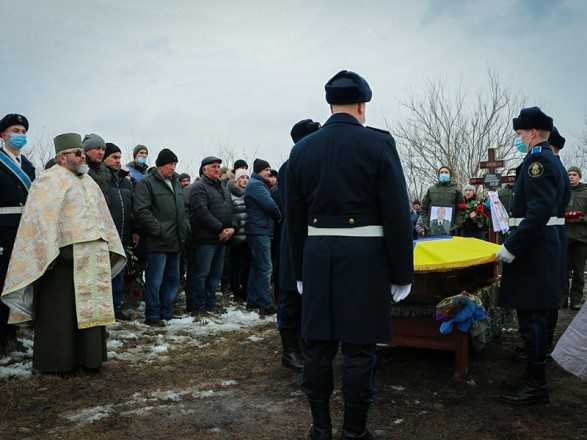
138, 148
166, 156
240, 163
111, 149
239, 173
259, 165
93, 141
576, 170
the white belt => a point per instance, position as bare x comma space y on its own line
552, 221
359, 231
11, 210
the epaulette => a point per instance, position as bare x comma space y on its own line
379, 130
536, 150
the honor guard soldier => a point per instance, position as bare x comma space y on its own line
531, 282
16, 175
351, 239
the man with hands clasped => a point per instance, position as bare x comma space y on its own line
351, 239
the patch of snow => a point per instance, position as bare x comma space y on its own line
254, 338
398, 421
227, 383
20, 369
161, 348
90, 415
398, 388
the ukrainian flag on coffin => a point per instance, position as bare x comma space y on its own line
446, 253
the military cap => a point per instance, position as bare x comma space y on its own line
347, 87
533, 117
67, 141
302, 129
13, 119
556, 140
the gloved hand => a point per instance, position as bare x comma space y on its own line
300, 287
400, 293
504, 255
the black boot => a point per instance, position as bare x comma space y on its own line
321, 424
533, 391
291, 357
355, 422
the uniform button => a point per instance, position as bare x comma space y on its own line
315, 221
351, 221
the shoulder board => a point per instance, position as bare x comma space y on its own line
379, 130
536, 150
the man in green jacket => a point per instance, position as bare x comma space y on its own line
444, 194
159, 208
576, 224
94, 148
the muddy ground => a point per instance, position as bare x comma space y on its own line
233, 387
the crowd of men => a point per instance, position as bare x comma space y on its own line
326, 243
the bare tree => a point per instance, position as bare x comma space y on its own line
455, 130
40, 150
577, 155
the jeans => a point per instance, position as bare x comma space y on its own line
118, 290
260, 271
161, 283
208, 263
358, 377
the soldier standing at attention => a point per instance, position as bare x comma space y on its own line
351, 238
16, 175
531, 283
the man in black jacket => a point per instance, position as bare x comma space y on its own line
159, 208
351, 238
212, 227
119, 202
16, 175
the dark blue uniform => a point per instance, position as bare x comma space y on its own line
13, 194
532, 283
347, 176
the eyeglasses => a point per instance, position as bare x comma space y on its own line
77, 153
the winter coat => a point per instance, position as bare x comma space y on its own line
239, 213
160, 213
287, 279
102, 176
446, 195
262, 211
119, 200
578, 231
137, 171
533, 281
210, 211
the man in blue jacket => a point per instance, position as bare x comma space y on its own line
350, 232
262, 213
531, 282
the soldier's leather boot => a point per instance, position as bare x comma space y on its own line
355, 422
533, 391
291, 357
321, 424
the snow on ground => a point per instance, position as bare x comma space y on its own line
134, 342
140, 404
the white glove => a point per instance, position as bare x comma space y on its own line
400, 293
504, 255
300, 286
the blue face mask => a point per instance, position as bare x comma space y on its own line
142, 160
520, 145
17, 140
444, 178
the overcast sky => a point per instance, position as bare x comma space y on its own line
195, 75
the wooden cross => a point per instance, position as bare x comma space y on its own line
492, 179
